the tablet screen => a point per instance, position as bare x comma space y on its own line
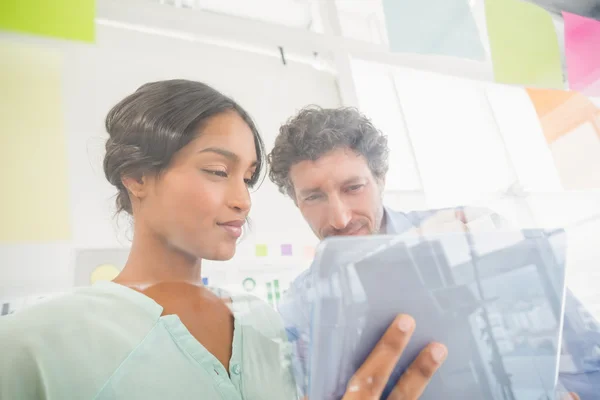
495, 299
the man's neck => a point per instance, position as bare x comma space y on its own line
383, 223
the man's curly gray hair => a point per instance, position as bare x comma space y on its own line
316, 131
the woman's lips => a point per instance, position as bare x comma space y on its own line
233, 228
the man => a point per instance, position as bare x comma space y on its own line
333, 164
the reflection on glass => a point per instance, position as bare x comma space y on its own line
498, 311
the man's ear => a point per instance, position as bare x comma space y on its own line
136, 186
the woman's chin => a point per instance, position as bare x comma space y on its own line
222, 252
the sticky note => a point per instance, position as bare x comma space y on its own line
261, 250
441, 27
34, 205
582, 51
105, 272
65, 19
560, 111
524, 44
286, 249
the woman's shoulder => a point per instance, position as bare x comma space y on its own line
79, 337
36, 340
251, 311
62, 306
45, 312
85, 318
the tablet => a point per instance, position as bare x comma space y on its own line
495, 299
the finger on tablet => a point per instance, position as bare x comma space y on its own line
370, 379
414, 380
569, 396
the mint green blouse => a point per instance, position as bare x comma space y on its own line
107, 341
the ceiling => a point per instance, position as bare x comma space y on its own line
294, 13
357, 17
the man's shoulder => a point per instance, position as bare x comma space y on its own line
295, 303
298, 291
302, 281
470, 215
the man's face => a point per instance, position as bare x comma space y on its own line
338, 195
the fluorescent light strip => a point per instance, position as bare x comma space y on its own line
318, 64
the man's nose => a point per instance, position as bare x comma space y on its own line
339, 214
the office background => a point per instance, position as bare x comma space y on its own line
466, 124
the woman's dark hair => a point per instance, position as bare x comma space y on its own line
160, 118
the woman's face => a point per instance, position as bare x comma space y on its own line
200, 202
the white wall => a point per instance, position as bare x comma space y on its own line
472, 140
95, 78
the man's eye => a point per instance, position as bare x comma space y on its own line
354, 188
312, 197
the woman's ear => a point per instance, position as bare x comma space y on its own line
137, 187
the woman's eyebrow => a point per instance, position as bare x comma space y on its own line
225, 153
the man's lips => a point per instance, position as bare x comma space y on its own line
352, 232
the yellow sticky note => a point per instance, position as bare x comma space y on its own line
104, 272
261, 250
66, 19
34, 198
524, 44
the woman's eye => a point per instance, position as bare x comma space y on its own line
222, 174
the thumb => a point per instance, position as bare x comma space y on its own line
570, 396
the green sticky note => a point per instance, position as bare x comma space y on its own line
33, 149
65, 19
261, 250
524, 44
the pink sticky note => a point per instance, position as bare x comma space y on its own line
582, 50
286, 249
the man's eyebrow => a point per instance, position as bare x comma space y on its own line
225, 153
353, 180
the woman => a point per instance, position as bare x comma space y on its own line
182, 157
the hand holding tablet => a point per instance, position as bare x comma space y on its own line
370, 380
495, 300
